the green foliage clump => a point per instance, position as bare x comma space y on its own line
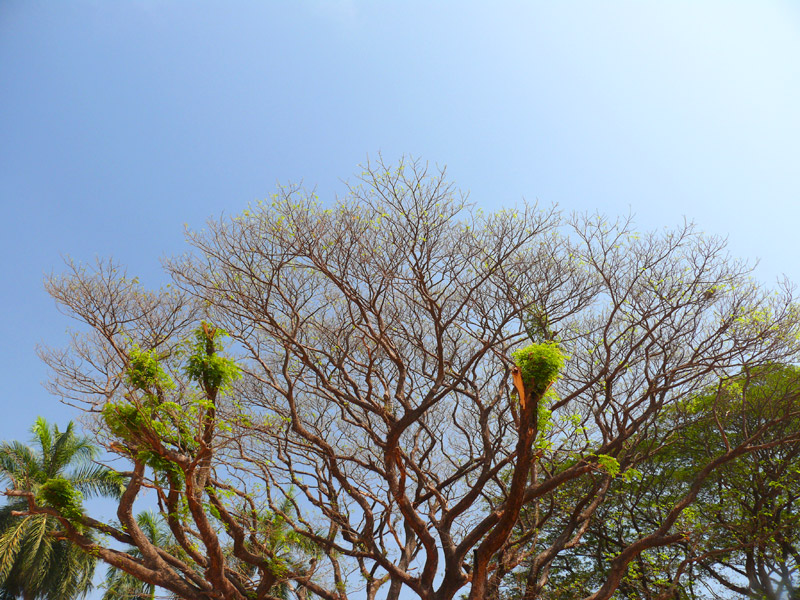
205, 366
131, 421
123, 419
146, 371
539, 365
140, 419
609, 464
60, 494
631, 475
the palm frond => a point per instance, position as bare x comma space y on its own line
19, 464
68, 449
35, 556
34, 562
42, 435
94, 480
10, 544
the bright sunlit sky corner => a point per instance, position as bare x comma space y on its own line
123, 122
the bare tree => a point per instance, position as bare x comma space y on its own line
418, 378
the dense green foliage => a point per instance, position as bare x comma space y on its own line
741, 538
205, 364
59, 493
539, 365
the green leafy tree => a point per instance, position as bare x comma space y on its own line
36, 558
743, 534
740, 537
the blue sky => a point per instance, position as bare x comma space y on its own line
122, 121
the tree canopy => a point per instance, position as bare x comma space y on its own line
398, 391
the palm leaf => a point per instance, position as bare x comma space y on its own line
33, 562
10, 544
94, 480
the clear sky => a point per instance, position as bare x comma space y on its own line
121, 121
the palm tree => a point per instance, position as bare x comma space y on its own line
34, 561
288, 551
120, 585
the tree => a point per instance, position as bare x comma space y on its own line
284, 543
36, 559
383, 383
118, 584
169, 414
744, 526
741, 534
